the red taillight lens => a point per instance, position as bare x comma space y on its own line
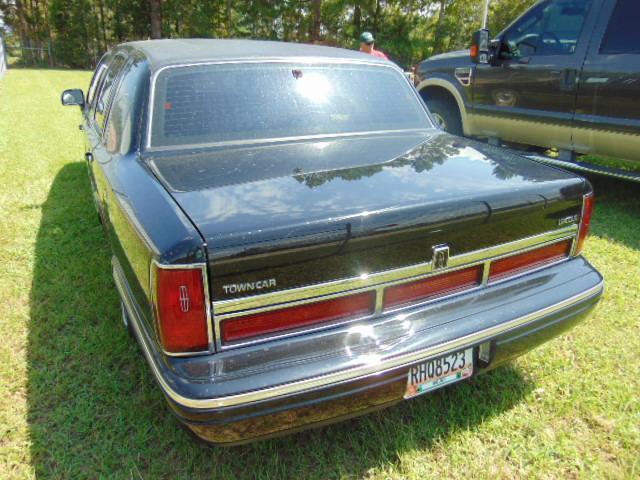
181, 310
527, 261
240, 328
432, 287
585, 222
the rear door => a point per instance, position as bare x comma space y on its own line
89, 112
97, 115
607, 119
530, 97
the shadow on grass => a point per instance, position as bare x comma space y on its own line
94, 409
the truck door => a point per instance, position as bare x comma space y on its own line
529, 96
607, 119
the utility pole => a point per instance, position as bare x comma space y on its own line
485, 19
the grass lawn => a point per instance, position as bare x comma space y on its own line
78, 400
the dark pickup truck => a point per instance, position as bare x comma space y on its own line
566, 74
295, 243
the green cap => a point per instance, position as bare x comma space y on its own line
366, 37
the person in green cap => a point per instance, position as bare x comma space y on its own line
367, 46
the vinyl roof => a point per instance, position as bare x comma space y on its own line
169, 52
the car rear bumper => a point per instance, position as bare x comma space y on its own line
309, 380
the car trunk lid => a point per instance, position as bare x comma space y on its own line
285, 215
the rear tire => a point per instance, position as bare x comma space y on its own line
446, 115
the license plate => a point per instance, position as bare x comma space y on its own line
436, 373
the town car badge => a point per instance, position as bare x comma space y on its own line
249, 286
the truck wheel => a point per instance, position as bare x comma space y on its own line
446, 115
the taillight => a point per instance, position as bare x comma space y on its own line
181, 309
585, 222
529, 260
249, 326
431, 287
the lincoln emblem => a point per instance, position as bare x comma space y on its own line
440, 257
184, 299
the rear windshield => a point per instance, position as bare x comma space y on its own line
244, 102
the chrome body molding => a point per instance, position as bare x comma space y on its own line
351, 374
584, 167
574, 248
269, 301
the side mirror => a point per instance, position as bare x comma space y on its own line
73, 97
479, 51
411, 76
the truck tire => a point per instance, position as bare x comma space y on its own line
446, 115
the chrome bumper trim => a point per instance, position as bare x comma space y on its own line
226, 308
376, 282
345, 375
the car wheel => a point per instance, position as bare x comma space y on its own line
446, 115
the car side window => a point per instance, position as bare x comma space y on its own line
96, 85
622, 35
119, 130
551, 28
106, 91
97, 78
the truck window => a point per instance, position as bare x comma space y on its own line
623, 34
550, 28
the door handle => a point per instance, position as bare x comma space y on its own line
88, 156
569, 79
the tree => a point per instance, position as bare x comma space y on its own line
22, 24
156, 18
407, 30
314, 31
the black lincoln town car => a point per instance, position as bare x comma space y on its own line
295, 243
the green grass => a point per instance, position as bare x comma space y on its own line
610, 162
78, 400
602, 161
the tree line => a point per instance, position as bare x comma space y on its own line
75, 33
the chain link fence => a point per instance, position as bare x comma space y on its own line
34, 54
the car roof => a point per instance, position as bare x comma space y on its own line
166, 52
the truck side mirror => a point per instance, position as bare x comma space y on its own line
73, 97
479, 51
